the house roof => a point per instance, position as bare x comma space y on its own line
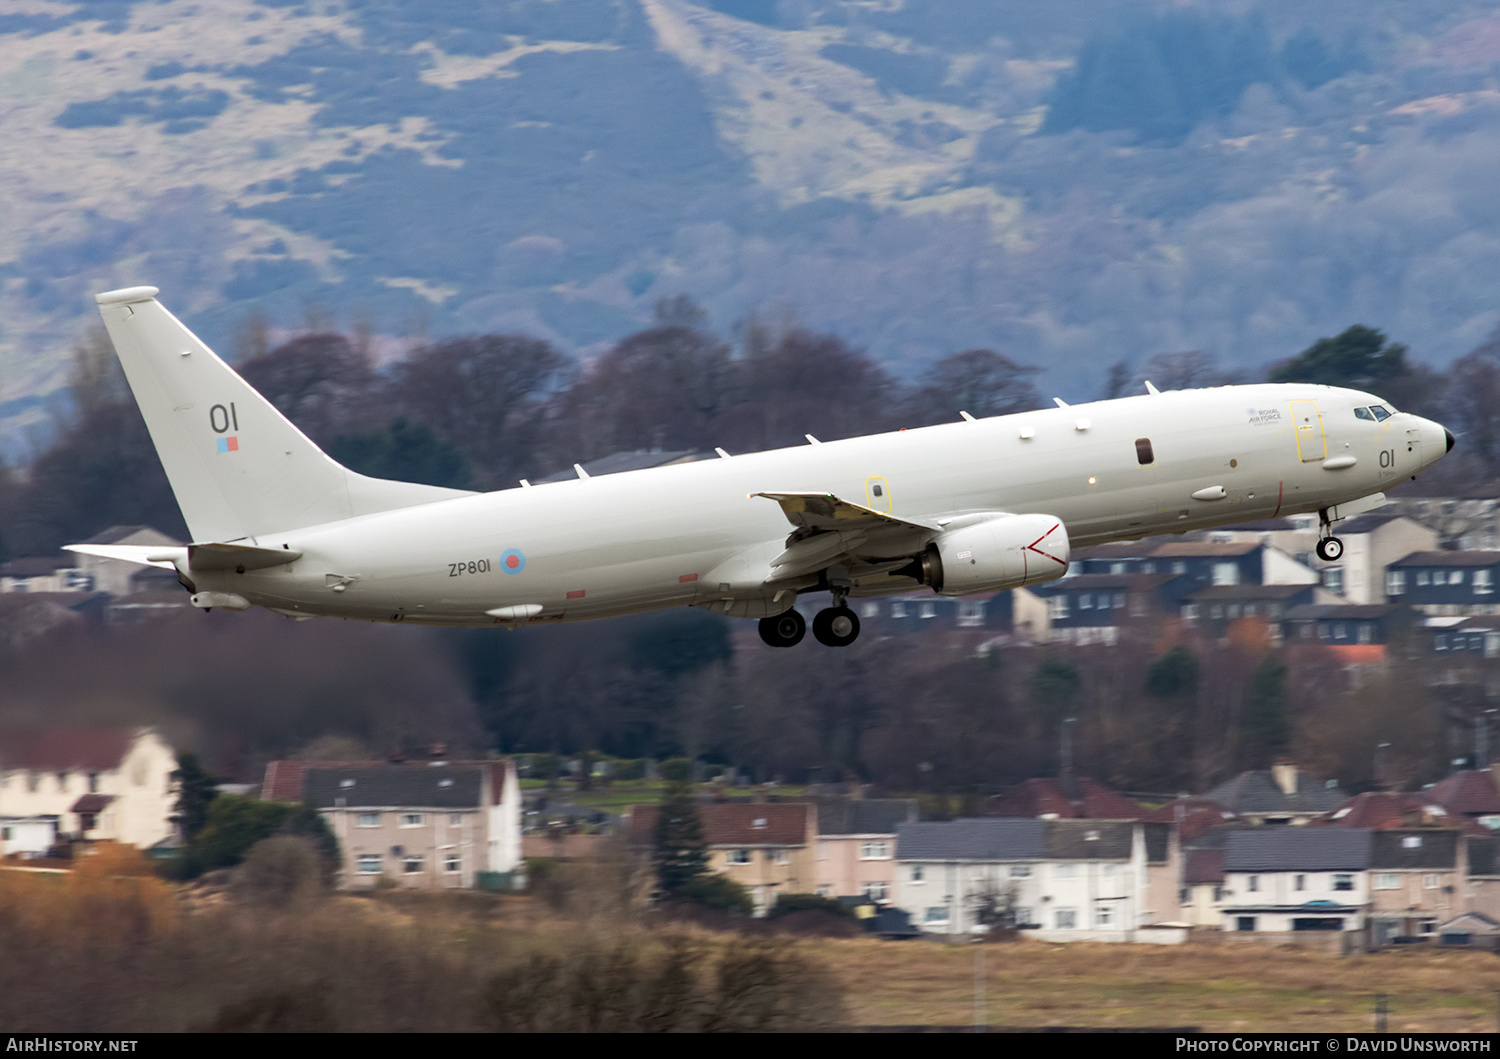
736, 824
1196, 818
1340, 611
1203, 866
1087, 840
1298, 849
395, 786
1258, 793
286, 781
1129, 550
1383, 809
1449, 559
1471, 792
68, 749
1407, 848
1067, 797
864, 816
989, 839
116, 534
1367, 523
1470, 923
1212, 593
1205, 549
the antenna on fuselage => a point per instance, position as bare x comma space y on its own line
967, 417
1150, 388
1060, 402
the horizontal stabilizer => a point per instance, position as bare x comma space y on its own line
145, 555
236, 556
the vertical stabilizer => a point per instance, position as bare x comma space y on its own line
237, 466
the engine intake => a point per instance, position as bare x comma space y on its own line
1006, 551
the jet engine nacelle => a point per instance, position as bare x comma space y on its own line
1005, 551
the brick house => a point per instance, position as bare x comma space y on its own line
422, 824
769, 849
856, 850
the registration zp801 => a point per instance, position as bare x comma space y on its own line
471, 566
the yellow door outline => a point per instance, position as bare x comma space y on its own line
881, 502
1312, 442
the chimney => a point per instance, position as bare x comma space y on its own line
1284, 772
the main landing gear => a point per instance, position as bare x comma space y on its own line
1330, 548
835, 626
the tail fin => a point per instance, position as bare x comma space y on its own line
237, 466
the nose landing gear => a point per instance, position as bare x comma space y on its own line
1330, 548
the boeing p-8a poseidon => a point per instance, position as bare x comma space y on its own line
977, 505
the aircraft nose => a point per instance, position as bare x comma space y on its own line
1449, 435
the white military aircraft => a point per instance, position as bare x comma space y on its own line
972, 506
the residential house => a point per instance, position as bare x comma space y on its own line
1461, 641
93, 783
1215, 607
421, 824
1064, 797
926, 611
1445, 584
1296, 535
1356, 632
45, 574
769, 848
1416, 883
1206, 562
1372, 542
1280, 795
1069, 880
1093, 608
1386, 810
1467, 522
1280, 882
1469, 794
856, 845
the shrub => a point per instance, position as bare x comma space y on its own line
677, 770
279, 872
787, 904
717, 891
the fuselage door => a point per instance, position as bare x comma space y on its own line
878, 495
1312, 443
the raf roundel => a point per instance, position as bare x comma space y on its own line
512, 561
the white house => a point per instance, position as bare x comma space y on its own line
1067, 880
94, 783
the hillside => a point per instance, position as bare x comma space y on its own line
920, 176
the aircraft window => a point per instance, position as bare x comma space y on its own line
1143, 453
1381, 411
1364, 413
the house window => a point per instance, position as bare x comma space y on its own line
875, 891
1483, 585
455, 819
898, 609
971, 612
1427, 927
1422, 577
1395, 582
411, 864
1387, 881
452, 862
1020, 871
412, 819
1104, 914
1333, 579
1299, 882
1066, 919
779, 856
1064, 871
1179, 567
935, 914
1226, 574
1343, 881
824, 890
1086, 601
1430, 882
1244, 923
929, 610
1366, 632
1455, 577
875, 851
869, 610
33, 781
93, 783
1411, 841
368, 820
1253, 884
368, 864
739, 856
917, 875
1058, 606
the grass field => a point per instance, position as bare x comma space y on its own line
1214, 987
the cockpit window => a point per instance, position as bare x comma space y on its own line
1381, 411
1364, 413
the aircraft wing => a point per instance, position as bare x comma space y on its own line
832, 531
825, 511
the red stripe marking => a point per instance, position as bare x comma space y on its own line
1032, 547
686, 578
576, 595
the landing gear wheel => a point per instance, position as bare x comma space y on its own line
784, 630
836, 627
1330, 549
